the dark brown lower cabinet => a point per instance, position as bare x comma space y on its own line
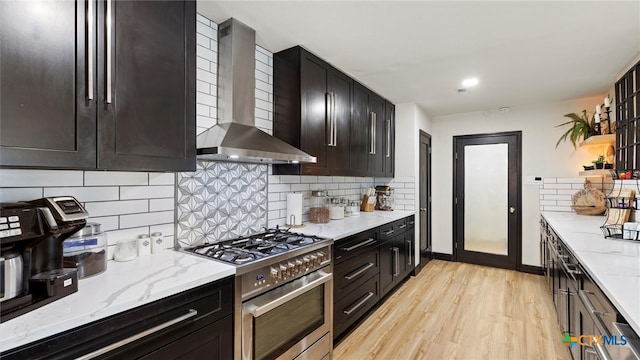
366, 267
195, 324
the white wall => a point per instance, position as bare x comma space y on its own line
410, 119
539, 158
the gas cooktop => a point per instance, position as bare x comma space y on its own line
255, 247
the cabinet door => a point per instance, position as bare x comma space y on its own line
387, 267
214, 341
47, 119
389, 139
146, 116
360, 131
376, 160
314, 107
341, 86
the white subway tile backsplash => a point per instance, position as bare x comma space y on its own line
39, 178
262, 76
162, 204
557, 186
206, 99
167, 230
206, 30
202, 64
203, 20
102, 178
162, 178
125, 234
548, 202
20, 194
105, 208
107, 223
205, 52
300, 187
146, 192
146, 219
202, 40
85, 194
549, 180
549, 191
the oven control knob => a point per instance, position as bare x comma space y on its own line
283, 271
307, 262
314, 260
274, 273
299, 267
291, 268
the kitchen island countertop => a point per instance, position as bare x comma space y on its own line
613, 264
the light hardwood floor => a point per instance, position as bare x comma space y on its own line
460, 311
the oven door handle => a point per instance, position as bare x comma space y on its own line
271, 304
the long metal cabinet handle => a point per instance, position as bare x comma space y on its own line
261, 310
396, 261
368, 241
375, 138
388, 138
335, 119
359, 271
372, 149
109, 26
409, 260
359, 304
389, 232
589, 305
138, 336
329, 121
90, 49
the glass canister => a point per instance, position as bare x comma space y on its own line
319, 212
86, 250
337, 209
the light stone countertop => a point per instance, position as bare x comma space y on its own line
338, 229
613, 264
126, 285
123, 286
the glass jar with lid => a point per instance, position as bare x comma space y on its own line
319, 212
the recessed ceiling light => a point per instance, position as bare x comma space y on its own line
470, 82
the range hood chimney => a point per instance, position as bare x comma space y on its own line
235, 137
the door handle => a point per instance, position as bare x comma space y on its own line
372, 150
423, 209
388, 138
512, 210
335, 121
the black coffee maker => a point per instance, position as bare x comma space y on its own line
35, 231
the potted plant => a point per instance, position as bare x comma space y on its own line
599, 162
580, 127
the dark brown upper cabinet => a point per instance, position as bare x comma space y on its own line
97, 84
327, 114
312, 111
373, 144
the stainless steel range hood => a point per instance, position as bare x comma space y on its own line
235, 137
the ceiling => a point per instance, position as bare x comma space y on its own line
523, 52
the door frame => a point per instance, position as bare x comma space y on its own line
425, 258
518, 201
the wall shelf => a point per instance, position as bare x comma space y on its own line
596, 172
599, 140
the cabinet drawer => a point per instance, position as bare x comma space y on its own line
392, 229
351, 307
197, 308
351, 246
352, 273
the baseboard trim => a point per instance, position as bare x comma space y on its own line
530, 269
442, 256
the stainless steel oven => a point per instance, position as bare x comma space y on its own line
283, 296
291, 321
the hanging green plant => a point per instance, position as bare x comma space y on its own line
580, 127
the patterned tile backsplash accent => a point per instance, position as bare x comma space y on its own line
221, 201
126, 204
